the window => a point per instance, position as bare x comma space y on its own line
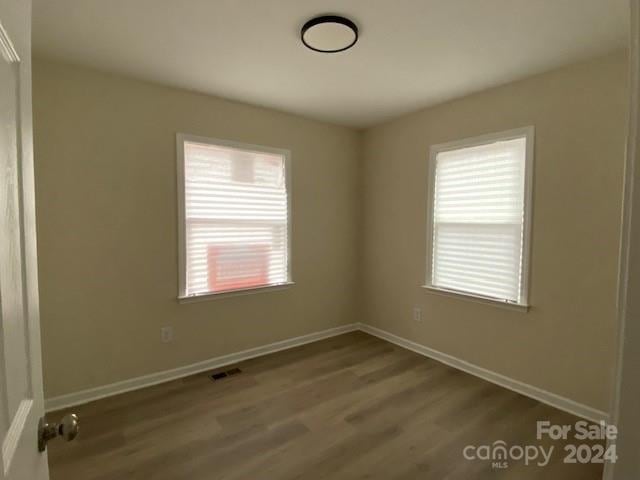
479, 209
234, 213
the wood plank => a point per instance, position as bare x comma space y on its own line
347, 407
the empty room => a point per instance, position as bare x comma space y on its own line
360, 239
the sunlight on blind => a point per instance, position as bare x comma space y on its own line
478, 213
236, 218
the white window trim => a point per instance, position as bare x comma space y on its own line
181, 138
529, 134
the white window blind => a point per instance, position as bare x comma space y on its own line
478, 219
235, 218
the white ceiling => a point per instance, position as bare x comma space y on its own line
411, 53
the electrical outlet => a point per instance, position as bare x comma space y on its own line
166, 334
417, 314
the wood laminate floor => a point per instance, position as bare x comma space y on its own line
349, 407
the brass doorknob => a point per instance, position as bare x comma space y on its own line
67, 429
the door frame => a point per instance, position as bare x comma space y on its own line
626, 389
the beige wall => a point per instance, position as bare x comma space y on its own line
565, 343
106, 205
106, 199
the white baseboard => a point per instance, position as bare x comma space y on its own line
85, 396
536, 393
561, 403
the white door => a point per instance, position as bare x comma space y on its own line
21, 399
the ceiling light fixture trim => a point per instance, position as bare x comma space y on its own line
329, 34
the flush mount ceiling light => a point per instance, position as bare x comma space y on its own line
329, 34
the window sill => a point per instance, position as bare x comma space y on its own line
477, 298
233, 293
